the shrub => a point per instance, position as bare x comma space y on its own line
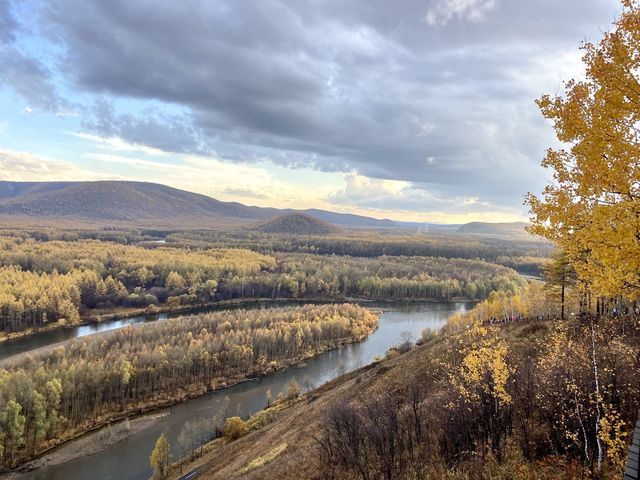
234, 428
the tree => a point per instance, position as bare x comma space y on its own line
13, 423
592, 209
144, 276
293, 390
159, 458
174, 281
559, 274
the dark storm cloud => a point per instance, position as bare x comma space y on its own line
172, 133
26, 75
438, 92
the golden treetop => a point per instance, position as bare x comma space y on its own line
592, 208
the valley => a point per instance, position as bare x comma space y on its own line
319, 240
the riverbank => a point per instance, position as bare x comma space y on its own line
124, 313
201, 461
89, 437
88, 444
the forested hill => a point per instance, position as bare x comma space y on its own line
148, 203
296, 224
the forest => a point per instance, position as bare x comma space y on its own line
55, 395
524, 254
356, 243
48, 282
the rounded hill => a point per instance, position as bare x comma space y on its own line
296, 224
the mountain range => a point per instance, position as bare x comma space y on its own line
152, 204
148, 204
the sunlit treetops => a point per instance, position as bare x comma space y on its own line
58, 281
95, 255
592, 209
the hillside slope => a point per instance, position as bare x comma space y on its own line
430, 414
125, 201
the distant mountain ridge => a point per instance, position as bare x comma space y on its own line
111, 200
128, 201
154, 204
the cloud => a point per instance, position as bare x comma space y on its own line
26, 75
117, 144
26, 167
8, 25
155, 129
375, 194
338, 86
245, 193
446, 10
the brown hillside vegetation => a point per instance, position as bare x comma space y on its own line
487, 402
115, 200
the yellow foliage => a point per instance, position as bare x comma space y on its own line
614, 437
484, 366
234, 428
592, 209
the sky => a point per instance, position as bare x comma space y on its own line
415, 110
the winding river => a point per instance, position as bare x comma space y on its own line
128, 458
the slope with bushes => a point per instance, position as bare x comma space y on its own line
518, 401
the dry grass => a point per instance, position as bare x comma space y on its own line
264, 459
298, 425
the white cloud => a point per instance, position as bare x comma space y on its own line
26, 167
117, 144
471, 10
403, 200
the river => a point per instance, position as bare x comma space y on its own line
129, 458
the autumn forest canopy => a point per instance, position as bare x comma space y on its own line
45, 283
70, 389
